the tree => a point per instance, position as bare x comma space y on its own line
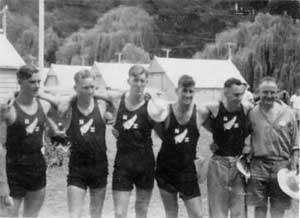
112, 32
269, 46
52, 43
134, 54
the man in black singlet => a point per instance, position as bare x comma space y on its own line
23, 175
134, 162
85, 125
229, 124
175, 171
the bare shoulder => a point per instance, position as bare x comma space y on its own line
247, 106
45, 105
213, 108
101, 104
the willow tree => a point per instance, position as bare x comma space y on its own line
110, 34
269, 46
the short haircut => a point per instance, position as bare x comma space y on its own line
186, 81
26, 71
232, 81
83, 74
137, 70
268, 79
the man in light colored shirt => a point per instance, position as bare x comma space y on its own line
295, 104
275, 145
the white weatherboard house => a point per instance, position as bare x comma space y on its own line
60, 79
113, 75
10, 62
209, 75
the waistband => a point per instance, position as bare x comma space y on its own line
270, 158
228, 161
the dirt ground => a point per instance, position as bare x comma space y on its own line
56, 198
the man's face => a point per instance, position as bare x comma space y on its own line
268, 92
85, 87
185, 94
32, 85
234, 94
138, 83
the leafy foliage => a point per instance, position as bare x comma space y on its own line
269, 46
112, 32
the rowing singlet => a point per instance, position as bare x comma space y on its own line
134, 127
87, 135
25, 135
229, 131
178, 149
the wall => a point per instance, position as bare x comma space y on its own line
8, 83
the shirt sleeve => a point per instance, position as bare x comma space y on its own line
292, 98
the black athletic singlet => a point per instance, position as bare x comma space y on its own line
25, 135
178, 149
134, 127
229, 131
87, 135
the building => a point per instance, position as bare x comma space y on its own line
209, 75
60, 79
113, 75
10, 62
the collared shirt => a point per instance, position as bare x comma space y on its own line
296, 101
274, 138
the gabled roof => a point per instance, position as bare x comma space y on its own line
9, 57
65, 74
115, 75
207, 73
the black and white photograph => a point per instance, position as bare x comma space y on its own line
149, 108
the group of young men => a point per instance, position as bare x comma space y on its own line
271, 125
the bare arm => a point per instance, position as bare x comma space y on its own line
206, 112
202, 115
59, 104
108, 95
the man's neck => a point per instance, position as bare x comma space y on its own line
135, 99
183, 108
266, 107
24, 99
83, 102
231, 107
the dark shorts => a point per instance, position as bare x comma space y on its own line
175, 181
134, 168
88, 175
25, 177
263, 184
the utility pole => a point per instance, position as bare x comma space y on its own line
41, 34
229, 44
167, 50
4, 19
119, 54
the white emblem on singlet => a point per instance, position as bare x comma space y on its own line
231, 123
181, 137
128, 124
86, 127
32, 126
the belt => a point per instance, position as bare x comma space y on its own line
270, 158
